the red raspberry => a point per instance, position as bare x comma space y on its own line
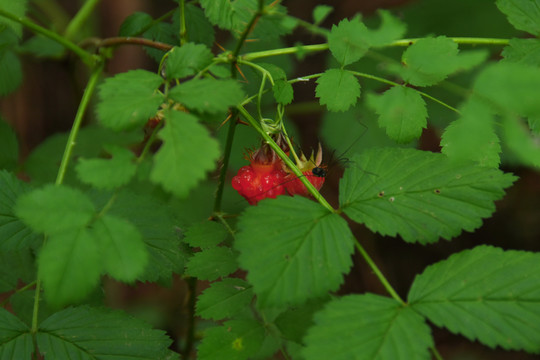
312, 169
263, 178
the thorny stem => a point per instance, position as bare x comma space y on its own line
120, 40
78, 20
225, 165
245, 33
286, 159
378, 272
85, 56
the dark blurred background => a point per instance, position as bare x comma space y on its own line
46, 103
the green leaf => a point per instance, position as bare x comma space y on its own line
295, 321
283, 92
69, 265
129, 99
236, 339
304, 254
391, 29
472, 136
123, 251
208, 95
11, 70
205, 234
523, 51
88, 333
198, 28
402, 112
154, 220
349, 41
511, 88
14, 234
187, 60
135, 24
54, 209
485, 294
15, 338
224, 299
108, 174
187, 153
321, 12
42, 46
162, 32
9, 146
522, 14
418, 194
378, 328
521, 142
431, 60
337, 89
213, 263
17, 8
271, 25
15, 265
219, 12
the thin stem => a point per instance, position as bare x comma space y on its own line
78, 20
284, 51
458, 40
286, 160
192, 298
24, 288
183, 30
386, 81
378, 272
436, 353
225, 165
87, 95
85, 56
245, 33
119, 40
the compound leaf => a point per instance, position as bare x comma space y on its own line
208, 95
69, 265
135, 24
391, 29
337, 89
88, 333
522, 14
213, 263
349, 41
472, 136
199, 29
14, 234
520, 141
55, 209
187, 153
381, 328
205, 234
123, 251
305, 254
418, 194
108, 173
15, 266
187, 60
485, 294
219, 12
402, 112
15, 338
129, 99
224, 299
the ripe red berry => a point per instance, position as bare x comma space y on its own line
263, 178
312, 170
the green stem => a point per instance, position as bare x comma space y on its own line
86, 57
458, 40
286, 160
225, 165
436, 353
386, 81
192, 299
378, 272
24, 288
284, 51
183, 30
78, 20
245, 33
87, 95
